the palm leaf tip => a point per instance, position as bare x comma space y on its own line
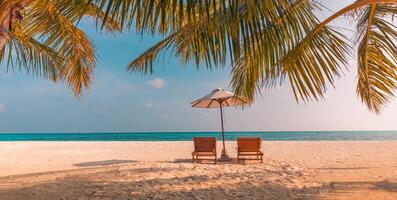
144, 63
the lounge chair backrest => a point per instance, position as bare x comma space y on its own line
249, 144
204, 144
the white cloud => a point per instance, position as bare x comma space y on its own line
164, 116
148, 105
2, 108
157, 83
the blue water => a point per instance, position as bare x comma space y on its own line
187, 136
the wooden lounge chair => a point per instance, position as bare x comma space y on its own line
204, 147
249, 148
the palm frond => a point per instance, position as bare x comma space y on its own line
144, 63
316, 60
58, 32
187, 44
48, 43
377, 58
155, 16
209, 40
98, 15
264, 39
269, 60
25, 53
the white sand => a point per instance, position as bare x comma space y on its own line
140, 170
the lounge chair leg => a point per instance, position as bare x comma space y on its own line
261, 159
192, 158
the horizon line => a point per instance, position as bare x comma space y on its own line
126, 132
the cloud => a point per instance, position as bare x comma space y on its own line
148, 105
2, 108
157, 83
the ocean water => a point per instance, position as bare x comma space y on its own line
187, 136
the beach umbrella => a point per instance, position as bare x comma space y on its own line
219, 98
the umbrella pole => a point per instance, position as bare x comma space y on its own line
223, 154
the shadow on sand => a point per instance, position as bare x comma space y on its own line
102, 163
343, 168
384, 185
231, 161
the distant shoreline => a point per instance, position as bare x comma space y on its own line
164, 132
187, 136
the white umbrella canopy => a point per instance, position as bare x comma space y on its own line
219, 98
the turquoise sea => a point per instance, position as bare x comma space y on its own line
187, 136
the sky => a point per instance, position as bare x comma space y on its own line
119, 101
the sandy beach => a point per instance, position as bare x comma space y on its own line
163, 170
